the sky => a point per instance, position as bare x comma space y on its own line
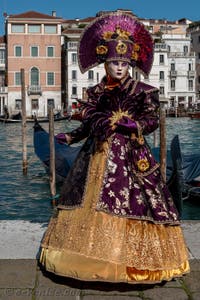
70, 9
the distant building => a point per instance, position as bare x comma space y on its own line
33, 44
173, 70
194, 31
3, 84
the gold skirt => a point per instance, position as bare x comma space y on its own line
90, 245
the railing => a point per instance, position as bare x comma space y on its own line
173, 73
3, 89
34, 90
160, 46
181, 54
191, 74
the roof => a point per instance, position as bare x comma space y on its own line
33, 15
2, 39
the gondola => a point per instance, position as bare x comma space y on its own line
182, 172
64, 154
18, 119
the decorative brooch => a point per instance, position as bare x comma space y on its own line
116, 116
143, 164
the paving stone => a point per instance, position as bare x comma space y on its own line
111, 297
16, 294
196, 296
55, 294
173, 283
195, 265
192, 281
19, 273
166, 294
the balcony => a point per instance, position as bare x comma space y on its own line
3, 89
191, 74
173, 73
34, 90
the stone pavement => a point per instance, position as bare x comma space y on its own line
23, 279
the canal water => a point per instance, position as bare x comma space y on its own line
27, 197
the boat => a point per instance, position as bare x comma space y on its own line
64, 154
195, 114
17, 118
182, 172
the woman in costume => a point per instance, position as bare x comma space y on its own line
116, 220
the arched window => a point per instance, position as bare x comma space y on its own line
34, 76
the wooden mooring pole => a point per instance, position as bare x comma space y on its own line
163, 151
24, 140
52, 173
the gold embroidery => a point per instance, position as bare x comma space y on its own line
121, 48
101, 49
118, 34
143, 165
118, 115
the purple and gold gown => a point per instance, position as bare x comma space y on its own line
116, 220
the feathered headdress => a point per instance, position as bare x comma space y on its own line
116, 36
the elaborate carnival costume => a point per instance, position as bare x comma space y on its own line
116, 220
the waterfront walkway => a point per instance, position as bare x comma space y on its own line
23, 279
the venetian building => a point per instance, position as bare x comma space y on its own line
194, 31
34, 44
173, 70
3, 85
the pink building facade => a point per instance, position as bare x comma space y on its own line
34, 44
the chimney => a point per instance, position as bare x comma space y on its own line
53, 13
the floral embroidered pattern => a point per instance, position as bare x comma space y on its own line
131, 184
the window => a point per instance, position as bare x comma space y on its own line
190, 85
173, 85
162, 90
74, 91
185, 49
74, 58
35, 104
18, 104
34, 76
172, 66
17, 78
50, 51
18, 51
199, 55
34, 28
190, 66
50, 78
90, 75
199, 38
50, 103
18, 28
2, 56
50, 29
161, 59
74, 75
34, 51
162, 75
198, 79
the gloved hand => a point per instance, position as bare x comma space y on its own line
61, 138
127, 125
